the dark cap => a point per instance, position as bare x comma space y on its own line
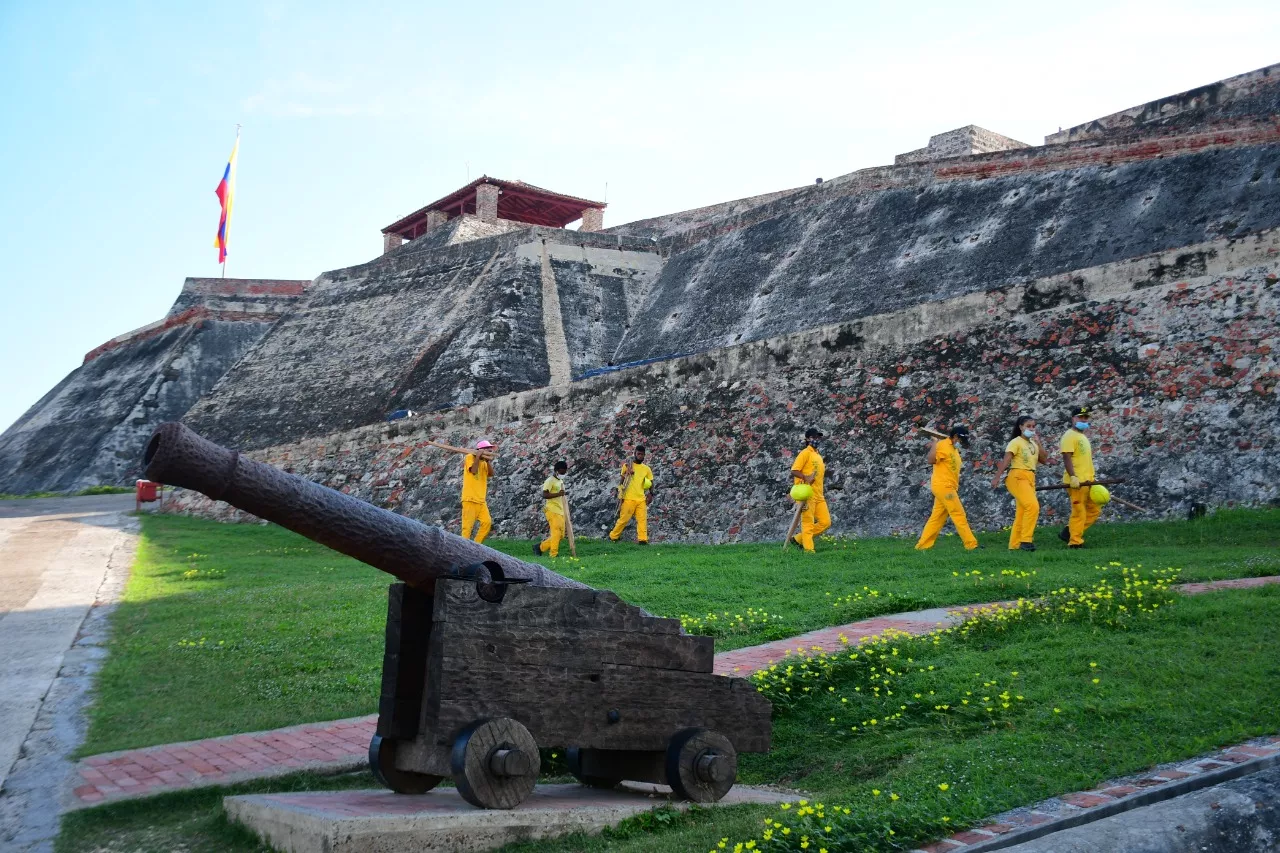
813, 432
960, 431
1080, 412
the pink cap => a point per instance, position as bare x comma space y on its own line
482, 444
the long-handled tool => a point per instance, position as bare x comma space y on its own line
449, 447
933, 433
795, 522
1084, 484
1131, 506
626, 484
568, 525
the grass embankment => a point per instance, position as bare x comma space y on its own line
238, 628
92, 490
1087, 699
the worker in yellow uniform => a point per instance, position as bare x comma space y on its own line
635, 492
553, 509
1021, 456
945, 485
809, 468
477, 468
1078, 475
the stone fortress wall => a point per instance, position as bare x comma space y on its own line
1176, 350
430, 325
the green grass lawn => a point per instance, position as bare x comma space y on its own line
231, 628
1197, 674
92, 490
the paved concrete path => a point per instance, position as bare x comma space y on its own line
58, 557
342, 745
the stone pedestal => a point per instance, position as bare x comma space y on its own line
391, 241
383, 822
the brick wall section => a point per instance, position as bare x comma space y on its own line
391, 241
1177, 351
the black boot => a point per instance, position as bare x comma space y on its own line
1065, 534
1026, 546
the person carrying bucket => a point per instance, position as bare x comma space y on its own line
809, 469
1079, 474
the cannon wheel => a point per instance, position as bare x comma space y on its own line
382, 761
702, 765
495, 763
573, 758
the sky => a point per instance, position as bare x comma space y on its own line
118, 119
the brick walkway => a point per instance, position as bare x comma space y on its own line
343, 744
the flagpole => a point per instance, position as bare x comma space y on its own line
233, 178
226, 195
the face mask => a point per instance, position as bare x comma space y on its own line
1082, 425
1028, 433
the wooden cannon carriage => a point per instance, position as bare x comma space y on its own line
480, 675
486, 663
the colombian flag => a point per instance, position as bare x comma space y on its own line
226, 192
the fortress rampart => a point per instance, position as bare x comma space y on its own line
1176, 350
87, 430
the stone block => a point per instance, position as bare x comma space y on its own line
380, 821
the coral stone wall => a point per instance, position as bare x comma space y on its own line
1176, 351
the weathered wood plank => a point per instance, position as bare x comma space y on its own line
573, 707
404, 662
639, 729
581, 648
538, 607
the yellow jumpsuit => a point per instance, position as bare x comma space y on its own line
634, 503
814, 518
1021, 483
1084, 512
945, 484
475, 488
554, 511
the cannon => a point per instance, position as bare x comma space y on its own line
489, 658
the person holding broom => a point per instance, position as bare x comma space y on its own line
1078, 474
553, 509
634, 495
1021, 456
945, 485
477, 468
809, 468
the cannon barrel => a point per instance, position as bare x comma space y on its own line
413, 552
